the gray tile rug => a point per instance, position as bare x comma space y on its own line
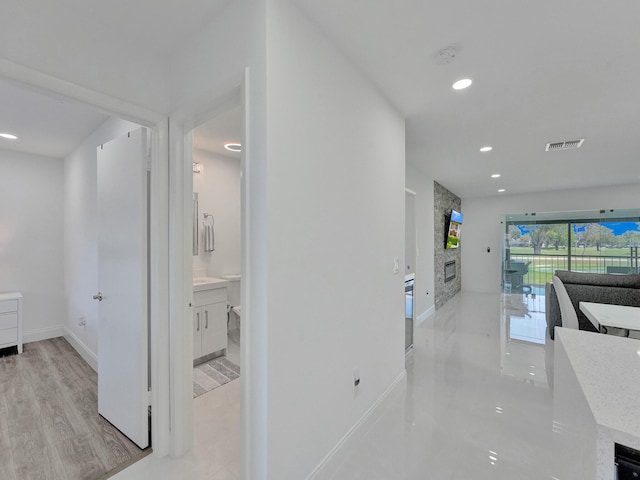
212, 374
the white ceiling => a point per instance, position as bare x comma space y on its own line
54, 127
159, 27
226, 127
44, 125
542, 71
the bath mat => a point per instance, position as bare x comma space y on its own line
212, 374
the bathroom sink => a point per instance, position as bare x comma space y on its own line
208, 283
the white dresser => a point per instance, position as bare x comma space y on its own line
11, 320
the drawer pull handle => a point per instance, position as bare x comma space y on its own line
198, 315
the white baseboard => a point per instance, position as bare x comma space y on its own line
42, 334
84, 351
353, 430
62, 331
426, 314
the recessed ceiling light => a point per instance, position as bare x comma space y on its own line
495, 175
233, 147
462, 84
486, 149
8, 136
501, 190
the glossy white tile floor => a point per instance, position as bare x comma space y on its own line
476, 406
216, 452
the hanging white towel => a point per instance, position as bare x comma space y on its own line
209, 244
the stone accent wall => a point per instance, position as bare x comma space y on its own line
443, 202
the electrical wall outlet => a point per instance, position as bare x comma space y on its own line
396, 265
81, 322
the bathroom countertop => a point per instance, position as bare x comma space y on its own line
208, 283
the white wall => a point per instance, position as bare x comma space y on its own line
31, 239
424, 286
80, 236
336, 221
481, 271
218, 187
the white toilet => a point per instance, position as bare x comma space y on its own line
233, 299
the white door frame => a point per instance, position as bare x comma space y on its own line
253, 348
160, 338
182, 124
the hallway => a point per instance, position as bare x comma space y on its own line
477, 404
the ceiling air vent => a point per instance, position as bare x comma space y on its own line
566, 145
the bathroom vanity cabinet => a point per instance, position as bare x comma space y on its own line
11, 320
209, 321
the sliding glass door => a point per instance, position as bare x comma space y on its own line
535, 248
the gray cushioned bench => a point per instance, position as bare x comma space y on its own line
590, 287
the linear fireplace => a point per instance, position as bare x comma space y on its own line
449, 271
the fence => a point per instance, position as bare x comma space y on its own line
540, 268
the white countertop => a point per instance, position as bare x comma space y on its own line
608, 371
618, 316
208, 283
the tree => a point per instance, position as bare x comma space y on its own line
594, 235
538, 237
557, 235
631, 238
514, 234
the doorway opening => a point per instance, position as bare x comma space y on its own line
410, 244
51, 241
217, 281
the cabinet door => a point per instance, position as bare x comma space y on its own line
214, 335
197, 332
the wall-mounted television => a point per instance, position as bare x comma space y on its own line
454, 225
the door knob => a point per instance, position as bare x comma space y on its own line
98, 296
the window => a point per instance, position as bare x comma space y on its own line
535, 249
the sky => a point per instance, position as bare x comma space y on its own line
618, 227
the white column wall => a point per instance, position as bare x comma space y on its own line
31, 239
481, 271
423, 294
80, 237
336, 183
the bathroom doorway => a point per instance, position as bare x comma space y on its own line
216, 250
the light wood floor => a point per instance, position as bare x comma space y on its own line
49, 422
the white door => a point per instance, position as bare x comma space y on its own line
122, 281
